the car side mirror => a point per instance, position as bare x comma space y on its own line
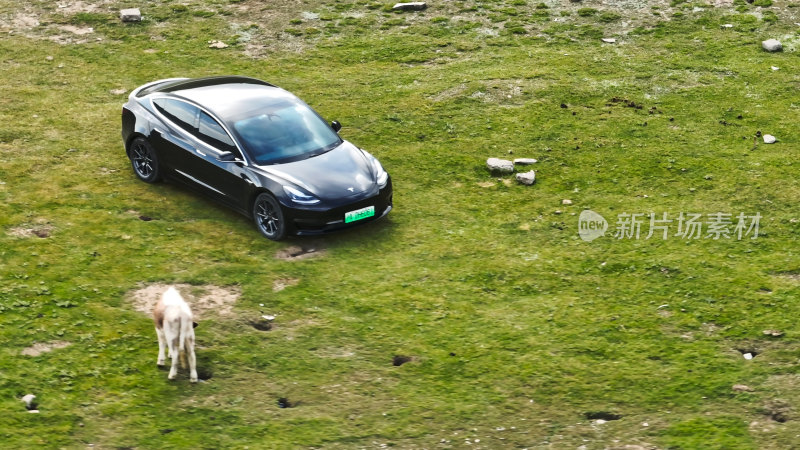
336, 126
226, 157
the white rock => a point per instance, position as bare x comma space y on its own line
566, 201
772, 45
727, 25
748, 356
769, 139
412, 6
775, 68
525, 161
500, 165
217, 44
609, 40
130, 15
268, 317
526, 178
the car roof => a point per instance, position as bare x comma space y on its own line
226, 96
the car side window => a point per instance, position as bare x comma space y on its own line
181, 113
212, 133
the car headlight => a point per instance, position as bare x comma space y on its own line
381, 176
299, 197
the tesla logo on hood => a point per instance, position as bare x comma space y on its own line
350, 189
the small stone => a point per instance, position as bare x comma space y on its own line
708, 177
609, 40
742, 388
566, 201
727, 25
775, 68
527, 178
748, 356
130, 15
773, 333
772, 45
412, 6
217, 44
557, 212
117, 91
500, 165
49, 58
769, 139
525, 161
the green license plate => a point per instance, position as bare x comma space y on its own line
359, 214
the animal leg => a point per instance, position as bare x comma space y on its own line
173, 349
162, 342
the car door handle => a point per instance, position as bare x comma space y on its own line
247, 180
200, 153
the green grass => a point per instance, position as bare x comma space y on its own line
517, 328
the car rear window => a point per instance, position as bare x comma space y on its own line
180, 113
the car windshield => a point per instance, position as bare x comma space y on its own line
285, 131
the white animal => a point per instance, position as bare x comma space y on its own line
175, 330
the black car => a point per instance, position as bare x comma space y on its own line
258, 149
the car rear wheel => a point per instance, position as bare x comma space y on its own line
144, 160
268, 216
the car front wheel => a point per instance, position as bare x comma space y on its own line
268, 216
144, 160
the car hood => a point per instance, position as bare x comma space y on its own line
342, 172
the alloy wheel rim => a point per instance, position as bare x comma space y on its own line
142, 160
267, 219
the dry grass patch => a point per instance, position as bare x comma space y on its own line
43, 347
282, 283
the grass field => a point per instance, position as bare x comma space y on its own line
517, 333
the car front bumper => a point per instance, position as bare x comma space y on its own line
312, 222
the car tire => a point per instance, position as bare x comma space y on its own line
268, 216
144, 160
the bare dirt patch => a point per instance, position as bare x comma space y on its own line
43, 347
296, 252
41, 229
206, 300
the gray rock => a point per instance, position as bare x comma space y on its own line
500, 165
526, 178
772, 45
742, 388
525, 161
769, 139
130, 15
609, 40
412, 6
